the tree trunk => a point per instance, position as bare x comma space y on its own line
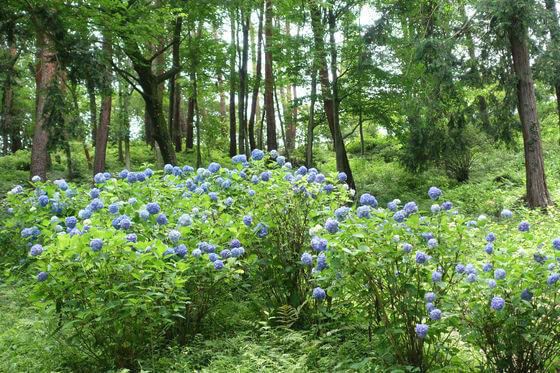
537, 192
361, 124
311, 123
92, 110
554, 28
127, 152
232, 124
45, 78
148, 128
174, 94
6, 123
271, 142
105, 115
198, 152
291, 110
190, 119
282, 131
245, 20
257, 72
120, 150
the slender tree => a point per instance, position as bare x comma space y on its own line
102, 133
271, 142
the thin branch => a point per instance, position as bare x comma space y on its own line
162, 50
168, 74
125, 75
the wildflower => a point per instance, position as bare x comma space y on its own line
341, 212
113, 208
410, 208
407, 247
392, 206
489, 248
471, 278
185, 220
196, 253
36, 179
239, 158
144, 214
553, 278
430, 306
399, 216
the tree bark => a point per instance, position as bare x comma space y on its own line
554, 28
105, 115
271, 142
257, 72
92, 109
45, 78
245, 20
311, 123
232, 124
9, 131
174, 94
537, 191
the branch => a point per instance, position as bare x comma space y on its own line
351, 132
168, 74
127, 76
160, 52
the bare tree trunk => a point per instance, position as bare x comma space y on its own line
105, 114
174, 94
271, 142
245, 21
190, 119
148, 128
555, 42
92, 110
45, 78
9, 130
311, 123
537, 191
120, 150
282, 131
198, 152
291, 111
257, 62
232, 124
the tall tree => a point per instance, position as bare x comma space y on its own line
232, 84
554, 29
174, 92
102, 132
271, 142
243, 81
537, 191
257, 66
9, 129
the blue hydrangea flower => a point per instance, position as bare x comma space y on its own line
132, 201
331, 225
491, 283
185, 220
489, 248
36, 250
430, 297
487, 267
319, 244
321, 261
236, 252
43, 200
94, 193
248, 220
410, 208
526, 295
421, 257
262, 230
459, 268
132, 237
169, 251
435, 314
556, 243
497, 303
301, 171
539, 258
96, 244
524, 226
214, 167
342, 176
239, 158
499, 274
407, 247
125, 222
181, 250
168, 169
85, 213
553, 278
42, 276
432, 242
196, 253
257, 154
144, 214
218, 264
435, 209
225, 253
307, 259
36, 179
506, 214
430, 306
213, 196
153, 208
367, 199
161, 219
470, 269
363, 212
471, 278
273, 154
148, 172
392, 206
71, 221
328, 188
421, 330
123, 174
234, 243
399, 216
99, 178
61, 184
174, 235
341, 212
447, 205
113, 208
320, 179
434, 193
319, 294
251, 192
311, 177
213, 257
491, 237
436, 276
